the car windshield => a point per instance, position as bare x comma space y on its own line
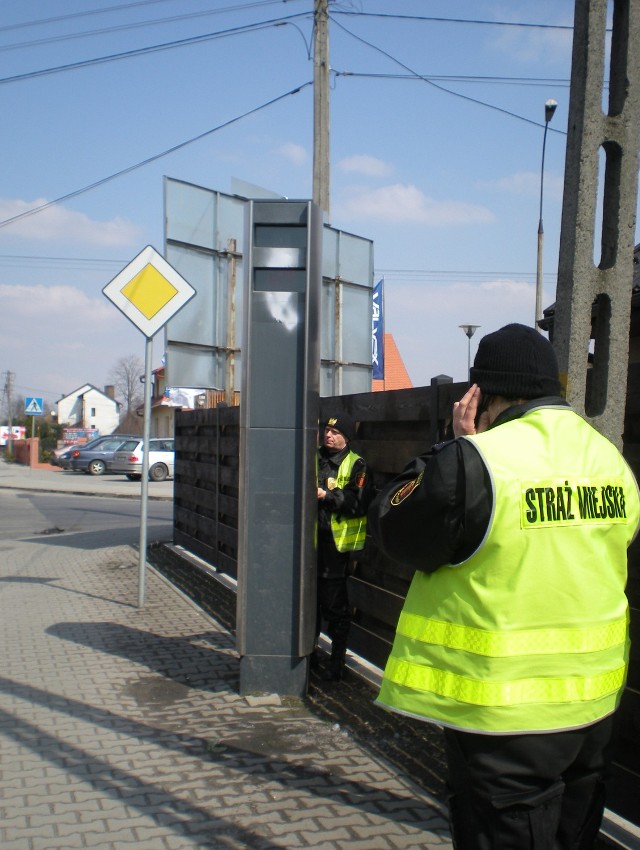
111, 445
104, 446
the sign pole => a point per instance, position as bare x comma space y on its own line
148, 291
144, 493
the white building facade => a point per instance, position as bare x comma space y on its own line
90, 408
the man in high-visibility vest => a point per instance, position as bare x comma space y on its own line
514, 635
343, 499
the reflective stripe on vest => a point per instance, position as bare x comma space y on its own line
531, 632
349, 533
524, 691
504, 644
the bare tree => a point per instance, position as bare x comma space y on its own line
125, 377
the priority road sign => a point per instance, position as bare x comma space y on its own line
33, 406
149, 291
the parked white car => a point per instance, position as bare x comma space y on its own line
128, 459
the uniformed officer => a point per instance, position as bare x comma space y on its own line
514, 634
343, 499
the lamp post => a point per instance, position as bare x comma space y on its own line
549, 109
469, 331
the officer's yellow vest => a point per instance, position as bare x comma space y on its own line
531, 632
348, 532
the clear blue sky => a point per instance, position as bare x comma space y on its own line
436, 141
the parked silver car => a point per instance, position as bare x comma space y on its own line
128, 459
96, 458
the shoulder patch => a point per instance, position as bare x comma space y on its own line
405, 491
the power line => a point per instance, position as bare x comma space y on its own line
461, 275
74, 15
461, 78
38, 390
141, 51
439, 87
22, 259
130, 168
59, 259
429, 79
125, 27
221, 34
440, 20
256, 4
87, 13
395, 273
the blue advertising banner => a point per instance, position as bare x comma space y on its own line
377, 332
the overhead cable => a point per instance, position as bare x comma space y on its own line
154, 48
154, 158
439, 87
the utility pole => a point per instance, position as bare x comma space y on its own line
8, 391
581, 283
321, 177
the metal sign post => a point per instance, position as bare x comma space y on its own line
149, 292
144, 492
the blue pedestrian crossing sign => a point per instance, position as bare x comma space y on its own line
33, 406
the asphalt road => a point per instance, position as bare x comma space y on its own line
83, 521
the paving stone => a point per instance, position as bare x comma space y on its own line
122, 728
70, 842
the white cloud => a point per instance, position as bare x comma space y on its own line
295, 154
364, 164
527, 183
406, 203
57, 223
55, 338
485, 298
45, 304
424, 318
520, 183
536, 45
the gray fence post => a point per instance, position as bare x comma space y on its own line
437, 429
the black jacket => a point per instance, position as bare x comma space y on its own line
437, 510
349, 501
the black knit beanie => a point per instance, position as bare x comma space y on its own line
343, 423
517, 362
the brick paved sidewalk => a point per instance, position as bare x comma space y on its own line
122, 728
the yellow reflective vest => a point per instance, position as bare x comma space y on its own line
349, 533
531, 632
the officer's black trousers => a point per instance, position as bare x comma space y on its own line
333, 607
528, 792
333, 597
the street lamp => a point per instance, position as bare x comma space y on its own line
549, 109
469, 331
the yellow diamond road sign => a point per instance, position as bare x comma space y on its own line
149, 291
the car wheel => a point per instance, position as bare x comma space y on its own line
96, 467
133, 476
158, 472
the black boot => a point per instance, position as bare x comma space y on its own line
335, 668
